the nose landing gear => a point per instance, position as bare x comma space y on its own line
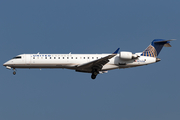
14, 73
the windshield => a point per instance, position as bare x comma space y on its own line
17, 57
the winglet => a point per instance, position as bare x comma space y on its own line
116, 51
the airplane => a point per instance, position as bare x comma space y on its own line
90, 63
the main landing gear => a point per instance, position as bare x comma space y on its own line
94, 74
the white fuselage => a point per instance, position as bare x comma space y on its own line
71, 61
90, 63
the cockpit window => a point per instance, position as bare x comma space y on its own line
17, 57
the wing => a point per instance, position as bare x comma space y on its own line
97, 64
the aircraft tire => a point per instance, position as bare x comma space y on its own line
14, 73
93, 76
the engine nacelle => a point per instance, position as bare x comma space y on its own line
127, 55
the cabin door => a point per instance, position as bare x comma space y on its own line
28, 59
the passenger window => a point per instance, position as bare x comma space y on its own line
59, 57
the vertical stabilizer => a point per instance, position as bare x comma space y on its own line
155, 47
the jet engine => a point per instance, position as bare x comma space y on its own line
127, 55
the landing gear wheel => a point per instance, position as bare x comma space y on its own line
93, 76
95, 72
14, 72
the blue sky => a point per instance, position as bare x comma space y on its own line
86, 26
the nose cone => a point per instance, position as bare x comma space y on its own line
5, 64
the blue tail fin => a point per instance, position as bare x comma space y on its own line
155, 47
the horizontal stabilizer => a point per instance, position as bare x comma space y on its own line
167, 45
165, 42
162, 40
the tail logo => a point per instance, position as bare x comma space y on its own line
149, 51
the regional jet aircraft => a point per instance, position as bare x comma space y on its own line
90, 63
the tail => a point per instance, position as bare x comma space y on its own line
155, 47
